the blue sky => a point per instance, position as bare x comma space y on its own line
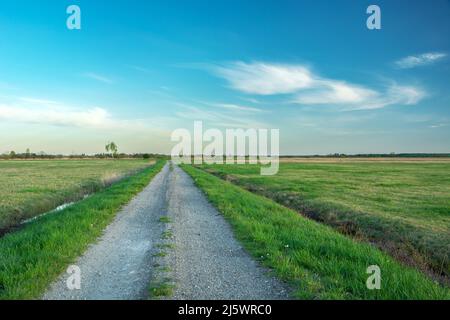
139, 69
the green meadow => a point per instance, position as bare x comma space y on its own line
317, 261
30, 188
402, 207
32, 257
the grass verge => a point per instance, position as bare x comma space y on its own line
316, 260
30, 259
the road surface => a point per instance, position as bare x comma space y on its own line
204, 259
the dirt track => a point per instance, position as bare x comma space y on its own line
206, 261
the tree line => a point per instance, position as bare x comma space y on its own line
111, 148
42, 155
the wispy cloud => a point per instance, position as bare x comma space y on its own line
49, 112
307, 88
420, 60
252, 100
354, 98
335, 92
90, 118
98, 77
221, 119
319, 122
264, 78
439, 125
235, 107
38, 101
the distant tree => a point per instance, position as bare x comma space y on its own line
112, 149
27, 153
12, 154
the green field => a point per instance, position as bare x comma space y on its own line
32, 257
317, 261
29, 188
402, 207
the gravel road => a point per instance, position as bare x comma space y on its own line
204, 260
207, 261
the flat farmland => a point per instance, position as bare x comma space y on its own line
30, 188
403, 207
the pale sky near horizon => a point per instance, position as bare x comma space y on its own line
137, 70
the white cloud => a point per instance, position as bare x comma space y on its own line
38, 101
420, 60
335, 92
265, 79
307, 88
405, 94
394, 95
97, 118
98, 77
49, 112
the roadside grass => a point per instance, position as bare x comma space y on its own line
402, 207
30, 188
317, 261
31, 258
